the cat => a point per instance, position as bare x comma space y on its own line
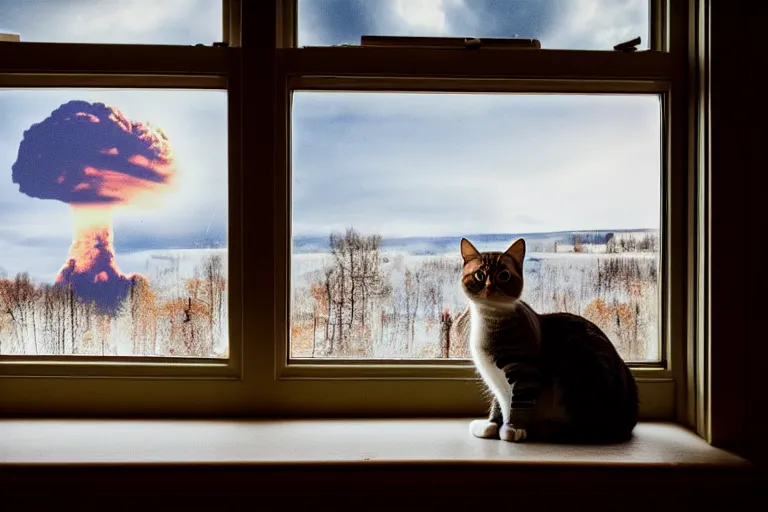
553, 377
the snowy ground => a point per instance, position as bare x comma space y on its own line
553, 282
166, 270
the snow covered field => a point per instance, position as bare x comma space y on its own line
183, 311
411, 283
616, 290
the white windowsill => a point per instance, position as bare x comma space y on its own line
313, 442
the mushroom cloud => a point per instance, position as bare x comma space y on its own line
90, 156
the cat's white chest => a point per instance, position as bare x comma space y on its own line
492, 376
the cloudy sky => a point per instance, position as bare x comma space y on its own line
582, 24
451, 164
393, 164
437, 164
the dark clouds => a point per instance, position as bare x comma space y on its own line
337, 21
344, 21
585, 24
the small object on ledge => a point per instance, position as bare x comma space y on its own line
472, 43
628, 46
9, 37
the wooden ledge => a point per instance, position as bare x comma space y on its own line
302, 442
340, 464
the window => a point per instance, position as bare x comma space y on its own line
385, 185
174, 22
121, 171
291, 142
385, 154
102, 254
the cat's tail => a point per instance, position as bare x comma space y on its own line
613, 422
592, 434
627, 410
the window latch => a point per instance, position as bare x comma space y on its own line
473, 43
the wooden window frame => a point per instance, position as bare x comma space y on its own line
113, 385
449, 387
261, 67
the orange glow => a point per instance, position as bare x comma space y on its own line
118, 117
91, 242
92, 118
110, 151
128, 189
121, 188
160, 166
91, 267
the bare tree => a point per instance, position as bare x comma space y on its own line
351, 281
577, 243
17, 301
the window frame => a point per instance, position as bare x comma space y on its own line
114, 385
261, 66
662, 386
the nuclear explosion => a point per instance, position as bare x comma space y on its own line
91, 157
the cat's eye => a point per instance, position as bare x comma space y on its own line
480, 276
504, 276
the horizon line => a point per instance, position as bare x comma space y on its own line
555, 232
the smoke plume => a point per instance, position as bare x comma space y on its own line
90, 156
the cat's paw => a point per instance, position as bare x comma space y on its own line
484, 429
512, 434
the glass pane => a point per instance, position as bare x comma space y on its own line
571, 24
385, 186
177, 22
113, 238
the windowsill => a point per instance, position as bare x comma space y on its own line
381, 464
304, 442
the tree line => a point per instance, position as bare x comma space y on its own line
362, 303
51, 319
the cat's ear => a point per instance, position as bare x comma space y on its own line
517, 251
468, 251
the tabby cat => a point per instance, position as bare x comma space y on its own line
553, 377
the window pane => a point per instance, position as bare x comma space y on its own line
177, 22
113, 238
571, 24
385, 186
